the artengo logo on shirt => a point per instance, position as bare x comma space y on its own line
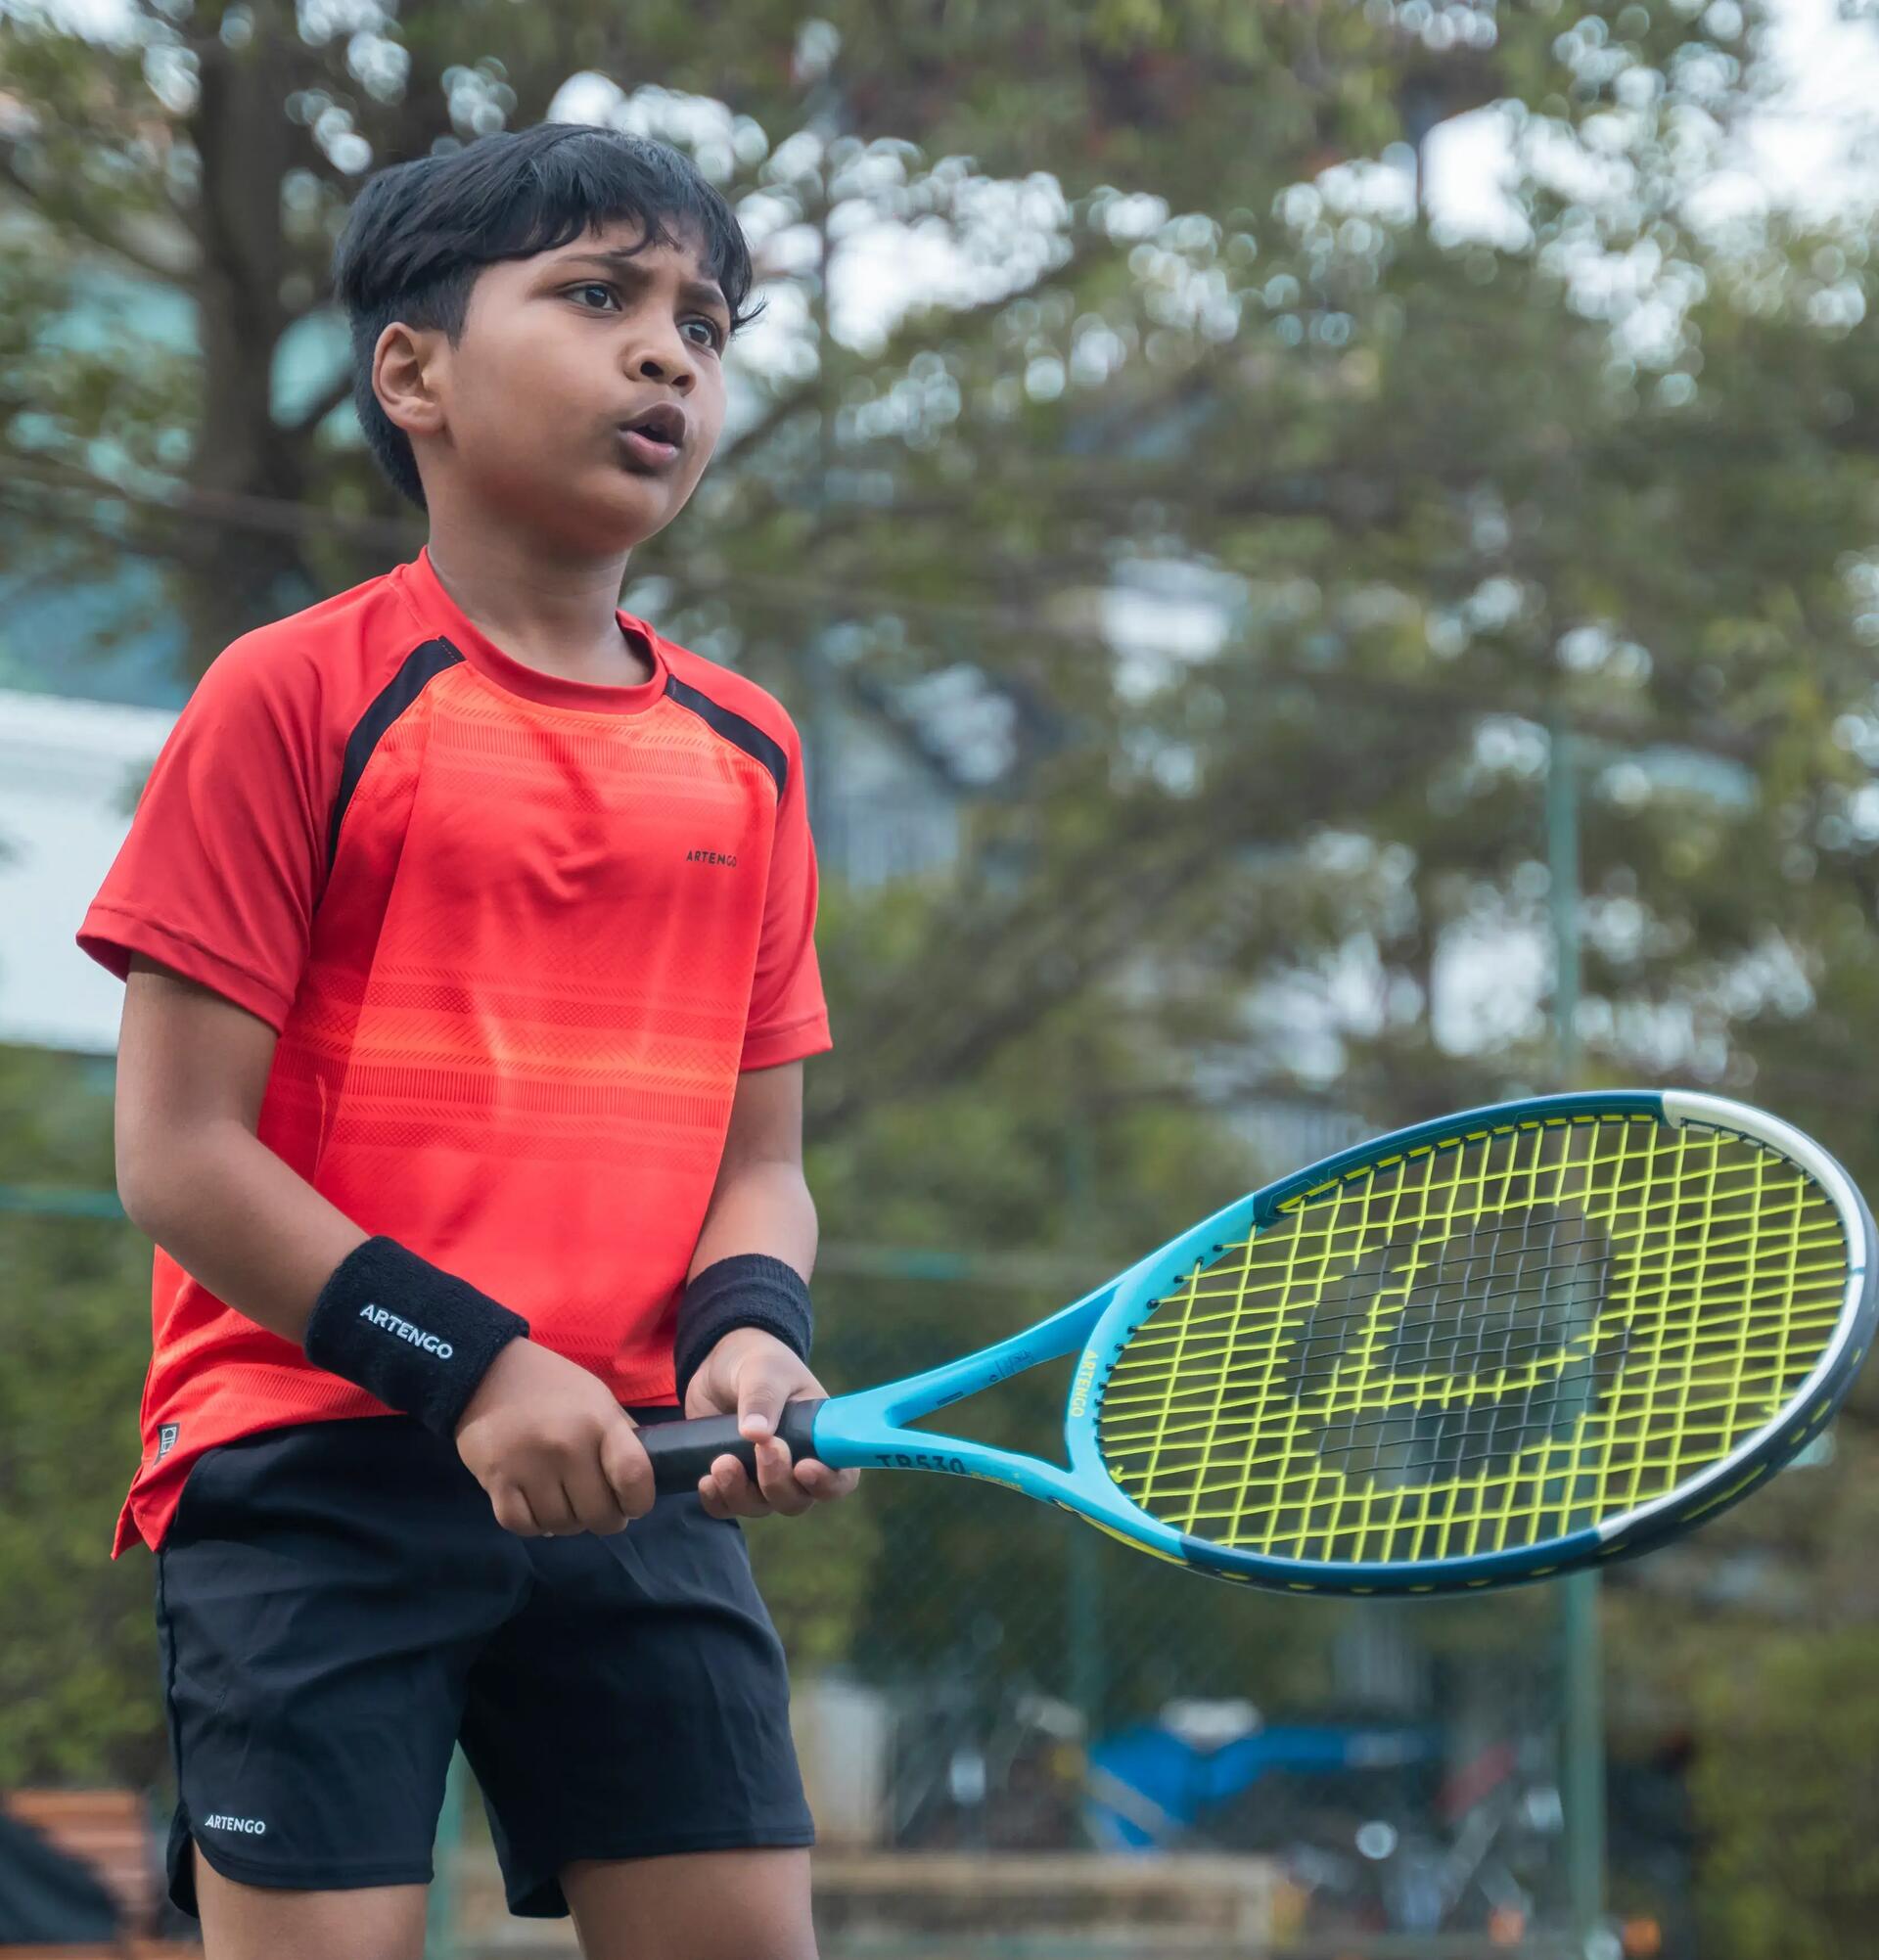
403, 1329
252, 1827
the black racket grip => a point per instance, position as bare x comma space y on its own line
682, 1452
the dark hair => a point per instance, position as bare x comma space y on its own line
419, 233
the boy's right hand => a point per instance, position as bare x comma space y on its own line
554, 1450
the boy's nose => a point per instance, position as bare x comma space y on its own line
677, 373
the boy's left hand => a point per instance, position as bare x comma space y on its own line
751, 1375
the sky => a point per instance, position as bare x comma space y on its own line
1812, 147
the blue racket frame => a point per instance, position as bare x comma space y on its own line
870, 1429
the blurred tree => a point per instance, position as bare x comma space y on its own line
1792, 1870
211, 151
78, 1677
1617, 464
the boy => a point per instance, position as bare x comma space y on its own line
467, 931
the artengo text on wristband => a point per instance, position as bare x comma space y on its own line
403, 1329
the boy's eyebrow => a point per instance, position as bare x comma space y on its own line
701, 291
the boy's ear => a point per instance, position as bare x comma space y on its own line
404, 377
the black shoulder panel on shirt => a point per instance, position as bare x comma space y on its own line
742, 734
420, 667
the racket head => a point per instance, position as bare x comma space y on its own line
1502, 1344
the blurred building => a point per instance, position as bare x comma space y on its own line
69, 771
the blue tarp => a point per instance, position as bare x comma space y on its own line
1147, 1784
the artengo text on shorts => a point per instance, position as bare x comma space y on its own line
255, 1827
418, 1338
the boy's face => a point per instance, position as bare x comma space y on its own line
587, 392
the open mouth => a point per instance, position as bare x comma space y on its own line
655, 437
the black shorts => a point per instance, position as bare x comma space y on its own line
337, 1607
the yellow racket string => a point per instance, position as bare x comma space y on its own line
1484, 1344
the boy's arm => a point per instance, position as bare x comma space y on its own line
192, 1172
760, 1201
760, 1204
544, 1438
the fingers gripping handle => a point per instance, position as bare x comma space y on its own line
682, 1452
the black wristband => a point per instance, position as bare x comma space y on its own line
747, 1290
409, 1332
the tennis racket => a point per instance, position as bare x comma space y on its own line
1477, 1351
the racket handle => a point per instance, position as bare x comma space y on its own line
682, 1452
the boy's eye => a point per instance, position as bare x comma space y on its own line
714, 334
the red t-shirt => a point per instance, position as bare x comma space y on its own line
517, 935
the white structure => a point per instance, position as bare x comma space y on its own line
69, 774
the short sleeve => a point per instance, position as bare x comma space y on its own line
788, 1018
220, 874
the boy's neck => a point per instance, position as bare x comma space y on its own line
560, 617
